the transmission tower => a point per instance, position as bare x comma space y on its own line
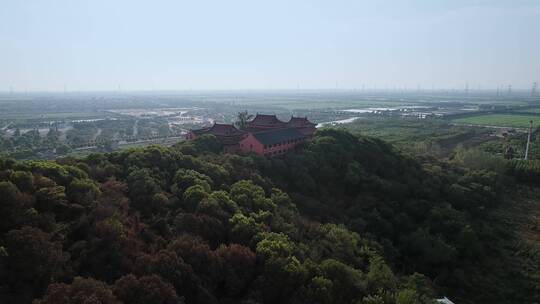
509, 89
533, 90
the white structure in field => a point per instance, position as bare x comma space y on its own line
445, 300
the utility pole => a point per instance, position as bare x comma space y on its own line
528, 141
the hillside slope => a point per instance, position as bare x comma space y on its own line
348, 220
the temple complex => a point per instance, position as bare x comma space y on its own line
265, 135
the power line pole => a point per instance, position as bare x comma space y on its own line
533, 90
528, 140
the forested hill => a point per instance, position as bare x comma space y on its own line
347, 220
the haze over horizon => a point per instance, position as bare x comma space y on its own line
175, 45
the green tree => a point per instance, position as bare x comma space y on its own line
184, 179
24, 180
242, 119
63, 149
348, 283
319, 290
14, 206
83, 191
193, 196
51, 199
244, 228
207, 143
380, 276
407, 296
142, 188
250, 197
218, 204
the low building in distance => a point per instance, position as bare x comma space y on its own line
265, 135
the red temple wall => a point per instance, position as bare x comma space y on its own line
251, 144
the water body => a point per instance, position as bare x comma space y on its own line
92, 120
373, 110
336, 122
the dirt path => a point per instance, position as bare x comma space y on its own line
6, 126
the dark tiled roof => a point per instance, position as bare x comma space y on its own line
266, 120
277, 136
225, 133
219, 130
200, 131
299, 121
252, 129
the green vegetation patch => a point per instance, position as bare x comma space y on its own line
500, 120
532, 110
55, 115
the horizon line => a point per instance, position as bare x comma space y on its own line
503, 90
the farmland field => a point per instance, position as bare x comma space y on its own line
532, 110
500, 120
54, 115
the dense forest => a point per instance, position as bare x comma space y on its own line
346, 219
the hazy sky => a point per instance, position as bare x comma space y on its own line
273, 44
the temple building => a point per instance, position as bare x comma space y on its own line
265, 135
228, 135
263, 122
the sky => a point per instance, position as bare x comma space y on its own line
85, 45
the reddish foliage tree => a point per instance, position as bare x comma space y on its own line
33, 260
237, 267
81, 291
198, 254
145, 290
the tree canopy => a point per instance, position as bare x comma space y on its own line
347, 220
